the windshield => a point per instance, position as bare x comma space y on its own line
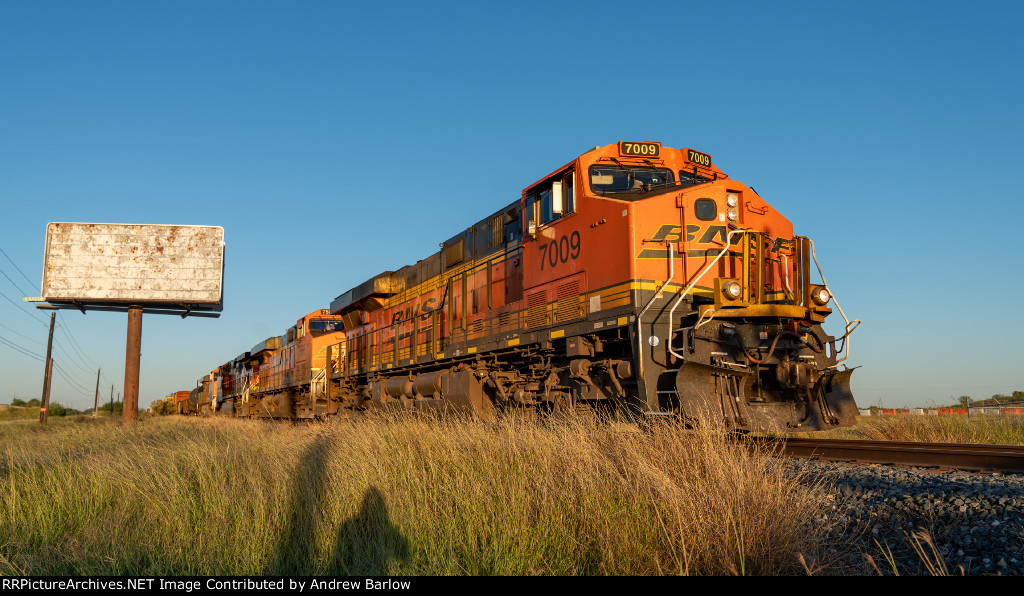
606, 179
319, 327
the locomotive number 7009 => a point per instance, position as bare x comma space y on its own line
560, 251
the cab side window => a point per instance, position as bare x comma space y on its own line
547, 213
512, 229
529, 213
557, 198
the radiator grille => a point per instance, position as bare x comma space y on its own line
536, 315
569, 302
497, 231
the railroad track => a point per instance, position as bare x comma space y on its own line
1007, 459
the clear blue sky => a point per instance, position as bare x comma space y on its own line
336, 140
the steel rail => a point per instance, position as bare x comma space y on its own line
960, 456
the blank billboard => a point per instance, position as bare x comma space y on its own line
92, 263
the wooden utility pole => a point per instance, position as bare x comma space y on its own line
46, 376
111, 400
96, 408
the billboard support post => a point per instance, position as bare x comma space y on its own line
132, 357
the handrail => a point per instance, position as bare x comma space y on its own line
848, 329
696, 278
657, 294
318, 384
802, 264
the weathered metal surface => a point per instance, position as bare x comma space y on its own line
271, 343
133, 263
385, 284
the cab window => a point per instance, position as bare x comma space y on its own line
557, 198
547, 215
624, 179
318, 327
512, 230
705, 209
690, 179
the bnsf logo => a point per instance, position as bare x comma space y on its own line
671, 233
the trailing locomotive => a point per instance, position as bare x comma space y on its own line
280, 377
637, 279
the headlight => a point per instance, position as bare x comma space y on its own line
732, 290
820, 295
732, 202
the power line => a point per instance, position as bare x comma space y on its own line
65, 329
75, 384
83, 390
22, 308
25, 351
74, 343
106, 380
32, 283
21, 349
42, 343
13, 283
72, 351
68, 358
75, 375
83, 368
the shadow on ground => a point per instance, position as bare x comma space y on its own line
366, 544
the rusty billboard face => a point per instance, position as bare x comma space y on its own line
88, 263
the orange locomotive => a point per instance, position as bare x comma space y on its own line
280, 377
636, 279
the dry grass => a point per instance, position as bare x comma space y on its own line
397, 495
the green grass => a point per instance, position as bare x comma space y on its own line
57, 412
396, 495
19, 413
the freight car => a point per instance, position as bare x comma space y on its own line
637, 280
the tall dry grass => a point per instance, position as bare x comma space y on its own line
394, 494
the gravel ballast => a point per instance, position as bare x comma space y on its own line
976, 521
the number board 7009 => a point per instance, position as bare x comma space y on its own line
698, 158
639, 149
